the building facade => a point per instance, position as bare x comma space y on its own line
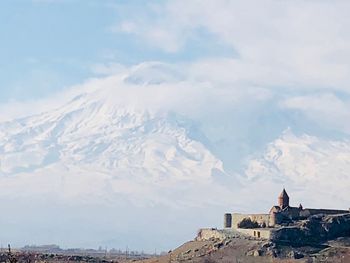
280, 214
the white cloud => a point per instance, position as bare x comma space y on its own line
325, 109
184, 89
127, 27
285, 49
15, 109
281, 46
107, 68
309, 166
299, 43
187, 88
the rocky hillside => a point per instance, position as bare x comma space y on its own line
315, 230
247, 250
318, 239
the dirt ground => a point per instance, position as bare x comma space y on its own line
250, 251
235, 250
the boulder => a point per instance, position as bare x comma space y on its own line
257, 253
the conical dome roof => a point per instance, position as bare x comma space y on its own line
284, 194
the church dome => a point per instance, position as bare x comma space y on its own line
284, 194
283, 199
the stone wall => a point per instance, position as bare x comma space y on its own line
259, 218
309, 212
258, 233
210, 233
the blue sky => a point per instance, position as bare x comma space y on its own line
295, 52
48, 45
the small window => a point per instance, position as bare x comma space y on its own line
258, 234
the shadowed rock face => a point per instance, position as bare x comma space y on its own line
337, 226
316, 229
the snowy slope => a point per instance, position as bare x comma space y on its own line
95, 147
317, 170
109, 166
116, 161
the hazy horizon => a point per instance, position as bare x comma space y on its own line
135, 123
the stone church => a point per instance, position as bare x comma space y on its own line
279, 214
284, 223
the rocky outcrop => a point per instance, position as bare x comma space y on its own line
316, 229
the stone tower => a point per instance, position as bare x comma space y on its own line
283, 199
228, 221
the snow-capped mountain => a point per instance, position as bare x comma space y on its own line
96, 146
318, 170
105, 163
116, 162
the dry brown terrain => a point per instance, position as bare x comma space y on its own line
240, 250
235, 250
